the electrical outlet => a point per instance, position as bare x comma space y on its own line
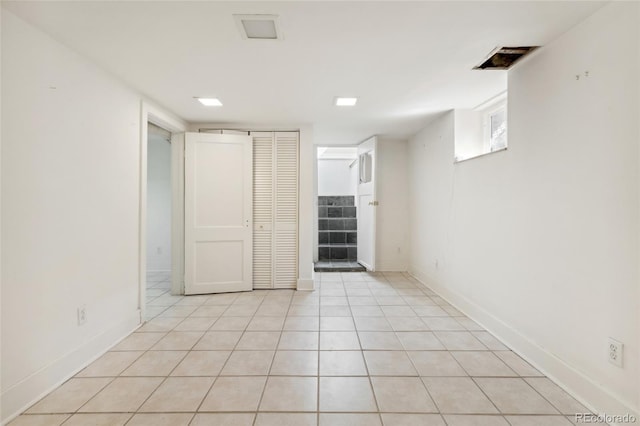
614, 351
82, 315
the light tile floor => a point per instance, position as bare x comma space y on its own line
362, 350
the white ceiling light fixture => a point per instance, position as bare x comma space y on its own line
209, 101
258, 27
340, 101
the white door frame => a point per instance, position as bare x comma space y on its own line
153, 114
373, 203
316, 243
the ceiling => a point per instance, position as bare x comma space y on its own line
337, 153
405, 61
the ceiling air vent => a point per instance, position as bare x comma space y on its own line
502, 58
258, 27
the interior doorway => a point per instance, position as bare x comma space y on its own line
338, 172
158, 220
151, 305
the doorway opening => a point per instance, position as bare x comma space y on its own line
337, 210
158, 221
151, 305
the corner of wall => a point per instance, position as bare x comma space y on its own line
513, 241
29, 390
586, 390
306, 285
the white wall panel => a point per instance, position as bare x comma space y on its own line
70, 212
540, 243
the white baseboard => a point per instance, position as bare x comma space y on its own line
28, 391
590, 393
306, 284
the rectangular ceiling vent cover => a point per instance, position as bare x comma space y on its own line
503, 58
258, 27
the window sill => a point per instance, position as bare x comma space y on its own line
479, 155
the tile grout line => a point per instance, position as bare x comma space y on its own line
366, 366
395, 284
230, 353
275, 351
178, 363
319, 354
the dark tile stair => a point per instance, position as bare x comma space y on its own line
337, 232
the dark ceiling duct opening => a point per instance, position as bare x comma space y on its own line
504, 57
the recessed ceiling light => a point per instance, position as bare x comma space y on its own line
346, 101
258, 27
210, 101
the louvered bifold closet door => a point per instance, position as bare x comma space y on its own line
286, 210
263, 201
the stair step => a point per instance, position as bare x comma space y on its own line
336, 200
338, 266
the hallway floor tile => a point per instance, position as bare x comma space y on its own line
363, 349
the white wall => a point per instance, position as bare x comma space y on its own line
540, 243
335, 177
354, 179
308, 214
392, 212
469, 132
158, 204
430, 178
70, 212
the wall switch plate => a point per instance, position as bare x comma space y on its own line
614, 352
82, 315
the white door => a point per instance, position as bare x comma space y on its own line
367, 203
275, 209
218, 213
286, 210
262, 209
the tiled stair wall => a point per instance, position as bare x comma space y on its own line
337, 228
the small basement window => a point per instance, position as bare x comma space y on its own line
481, 130
496, 122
